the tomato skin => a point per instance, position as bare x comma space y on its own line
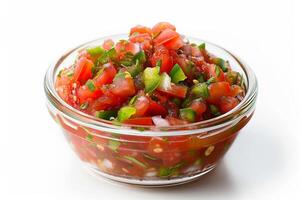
211, 71
141, 105
236, 90
217, 90
227, 103
140, 29
139, 121
174, 43
107, 75
159, 27
175, 91
175, 121
123, 87
199, 107
156, 109
108, 44
161, 53
165, 36
83, 70
84, 93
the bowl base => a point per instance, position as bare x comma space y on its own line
147, 182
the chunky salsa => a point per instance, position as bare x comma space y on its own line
155, 77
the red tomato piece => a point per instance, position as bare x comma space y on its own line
139, 121
156, 109
159, 27
140, 29
227, 103
174, 43
108, 44
84, 93
175, 91
236, 90
199, 107
212, 70
165, 36
83, 70
106, 76
123, 87
162, 54
141, 105
217, 90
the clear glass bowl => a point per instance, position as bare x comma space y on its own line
122, 152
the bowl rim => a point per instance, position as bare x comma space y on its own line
54, 101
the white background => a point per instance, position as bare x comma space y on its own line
35, 161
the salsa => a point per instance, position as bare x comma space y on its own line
153, 77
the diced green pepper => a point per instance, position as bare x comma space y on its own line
177, 74
217, 71
125, 113
200, 90
170, 171
89, 137
90, 84
114, 144
134, 160
187, 114
222, 63
140, 56
95, 51
211, 80
151, 78
134, 70
133, 100
106, 114
112, 53
177, 101
202, 46
201, 78
214, 110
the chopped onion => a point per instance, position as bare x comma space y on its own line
158, 121
165, 82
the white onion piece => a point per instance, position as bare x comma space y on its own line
160, 122
165, 82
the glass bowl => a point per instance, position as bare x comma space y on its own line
149, 155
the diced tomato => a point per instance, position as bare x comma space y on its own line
141, 105
214, 71
159, 27
174, 43
156, 109
217, 90
139, 121
140, 29
144, 39
123, 87
227, 103
175, 91
107, 75
162, 54
123, 47
83, 70
84, 93
236, 90
165, 36
108, 44
199, 107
